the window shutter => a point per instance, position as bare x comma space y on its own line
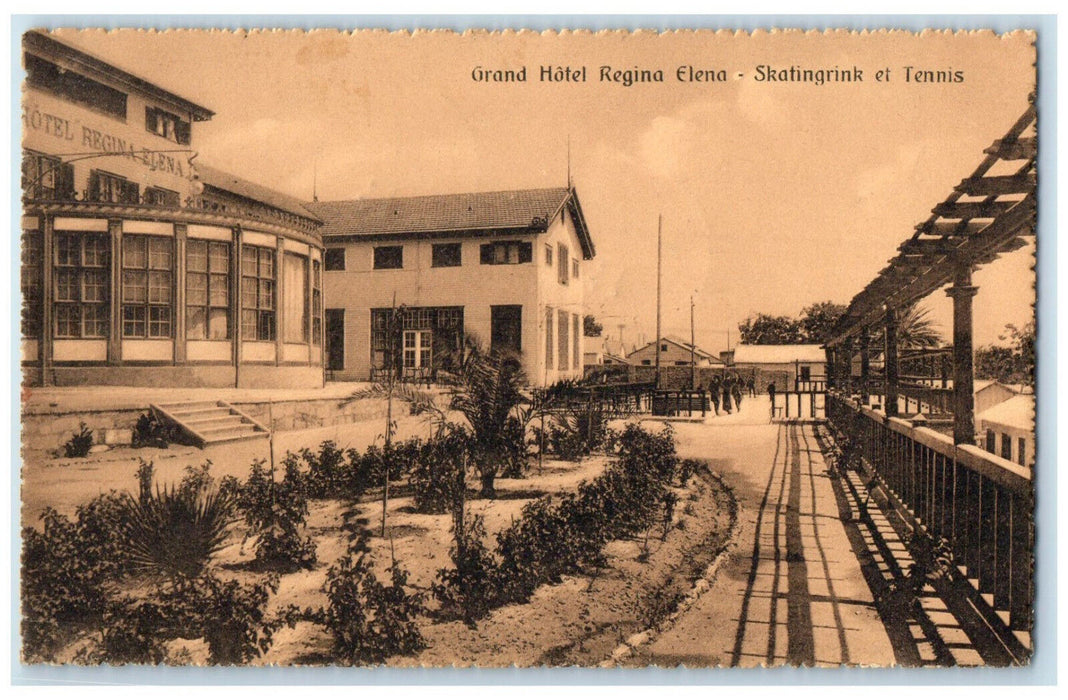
485, 252
94, 186
526, 252
130, 192
183, 132
65, 181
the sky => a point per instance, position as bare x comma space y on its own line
773, 195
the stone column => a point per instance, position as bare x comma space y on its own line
890, 353
962, 292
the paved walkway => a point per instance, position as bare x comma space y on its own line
792, 591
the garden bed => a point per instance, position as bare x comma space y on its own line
576, 557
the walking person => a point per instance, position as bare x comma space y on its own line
727, 395
771, 395
713, 393
751, 385
736, 390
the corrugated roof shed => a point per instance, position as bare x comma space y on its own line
778, 354
1018, 412
465, 213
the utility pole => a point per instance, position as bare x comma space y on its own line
693, 363
659, 227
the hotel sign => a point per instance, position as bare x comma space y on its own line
90, 140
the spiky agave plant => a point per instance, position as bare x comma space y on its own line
173, 532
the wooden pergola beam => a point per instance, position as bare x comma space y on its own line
1024, 148
997, 185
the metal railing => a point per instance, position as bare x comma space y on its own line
674, 403
978, 505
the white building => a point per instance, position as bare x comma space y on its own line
1007, 429
785, 365
504, 266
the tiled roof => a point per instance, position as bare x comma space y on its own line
459, 213
778, 354
250, 190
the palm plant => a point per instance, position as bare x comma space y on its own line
488, 391
916, 330
174, 531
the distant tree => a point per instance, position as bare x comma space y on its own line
590, 327
1012, 364
771, 330
818, 320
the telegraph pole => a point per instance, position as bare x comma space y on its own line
693, 363
659, 227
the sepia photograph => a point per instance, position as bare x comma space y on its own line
612, 349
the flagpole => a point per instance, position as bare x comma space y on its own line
659, 247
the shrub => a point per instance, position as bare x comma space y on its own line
68, 569
133, 632
276, 514
149, 431
437, 475
469, 590
175, 531
328, 473
80, 443
368, 620
686, 469
229, 615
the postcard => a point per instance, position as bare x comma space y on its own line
567, 348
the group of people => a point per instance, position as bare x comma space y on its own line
727, 391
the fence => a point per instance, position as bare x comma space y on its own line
673, 403
978, 504
810, 405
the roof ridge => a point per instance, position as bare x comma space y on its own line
440, 196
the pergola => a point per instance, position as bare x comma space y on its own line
989, 213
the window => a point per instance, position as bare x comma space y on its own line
549, 351
389, 257
444, 327
574, 269
806, 373
147, 286
157, 196
506, 253
74, 87
445, 255
663, 347
45, 177
32, 282
1006, 446
1021, 451
81, 285
169, 126
257, 293
576, 359
991, 442
562, 340
105, 187
335, 259
506, 329
207, 290
317, 303
561, 267
417, 349
295, 301
647, 362
549, 254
